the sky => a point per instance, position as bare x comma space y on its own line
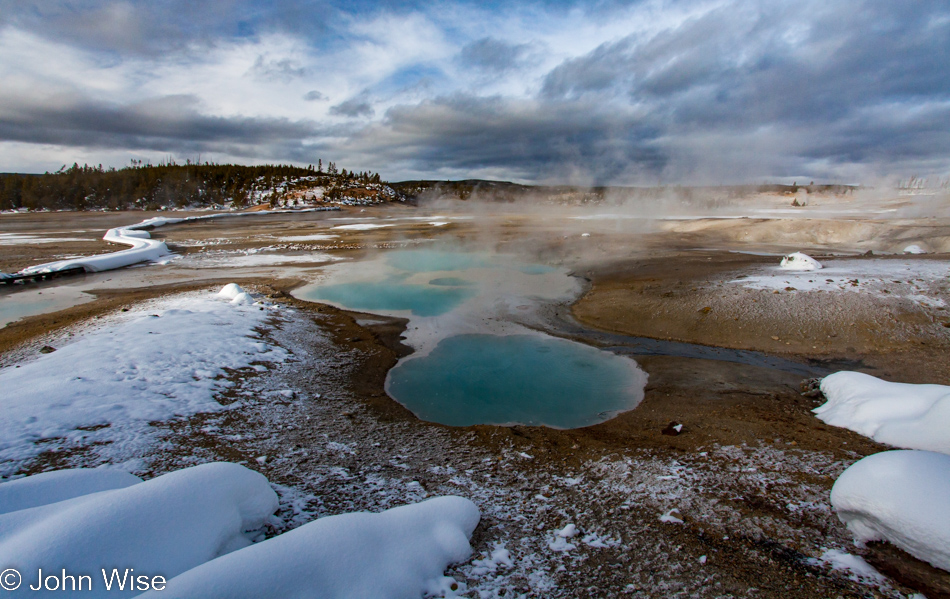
599, 92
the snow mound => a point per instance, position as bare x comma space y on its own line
230, 291
899, 414
799, 261
401, 552
237, 295
914, 249
60, 485
164, 526
901, 497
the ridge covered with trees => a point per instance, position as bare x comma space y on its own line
170, 185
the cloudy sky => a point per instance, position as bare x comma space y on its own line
639, 92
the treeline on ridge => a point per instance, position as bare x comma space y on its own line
168, 185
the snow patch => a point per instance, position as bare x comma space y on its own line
311, 237
361, 227
858, 570
671, 517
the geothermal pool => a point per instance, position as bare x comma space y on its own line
475, 361
516, 379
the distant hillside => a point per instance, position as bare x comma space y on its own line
171, 185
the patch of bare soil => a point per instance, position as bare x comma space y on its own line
690, 299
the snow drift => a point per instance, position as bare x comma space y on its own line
144, 249
60, 485
194, 526
163, 526
399, 553
899, 414
901, 497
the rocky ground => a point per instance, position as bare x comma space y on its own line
734, 505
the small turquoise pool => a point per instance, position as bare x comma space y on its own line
428, 282
420, 300
516, 379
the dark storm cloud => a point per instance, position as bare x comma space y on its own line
530, 139
354, 107
166, 124
146, 27
847, 83
314, 96
493, 55
277, 70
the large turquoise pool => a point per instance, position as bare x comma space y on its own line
516, 379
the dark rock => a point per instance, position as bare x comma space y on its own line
812, 388
47, 349
673, 429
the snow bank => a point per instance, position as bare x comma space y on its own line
899, 414
60, 485
799, 261
901, 497
169, 361
401, 552
143, 249
163, 526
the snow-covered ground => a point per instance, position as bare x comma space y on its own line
249, 259
923, 281
901, 497
899, 414
162, 360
